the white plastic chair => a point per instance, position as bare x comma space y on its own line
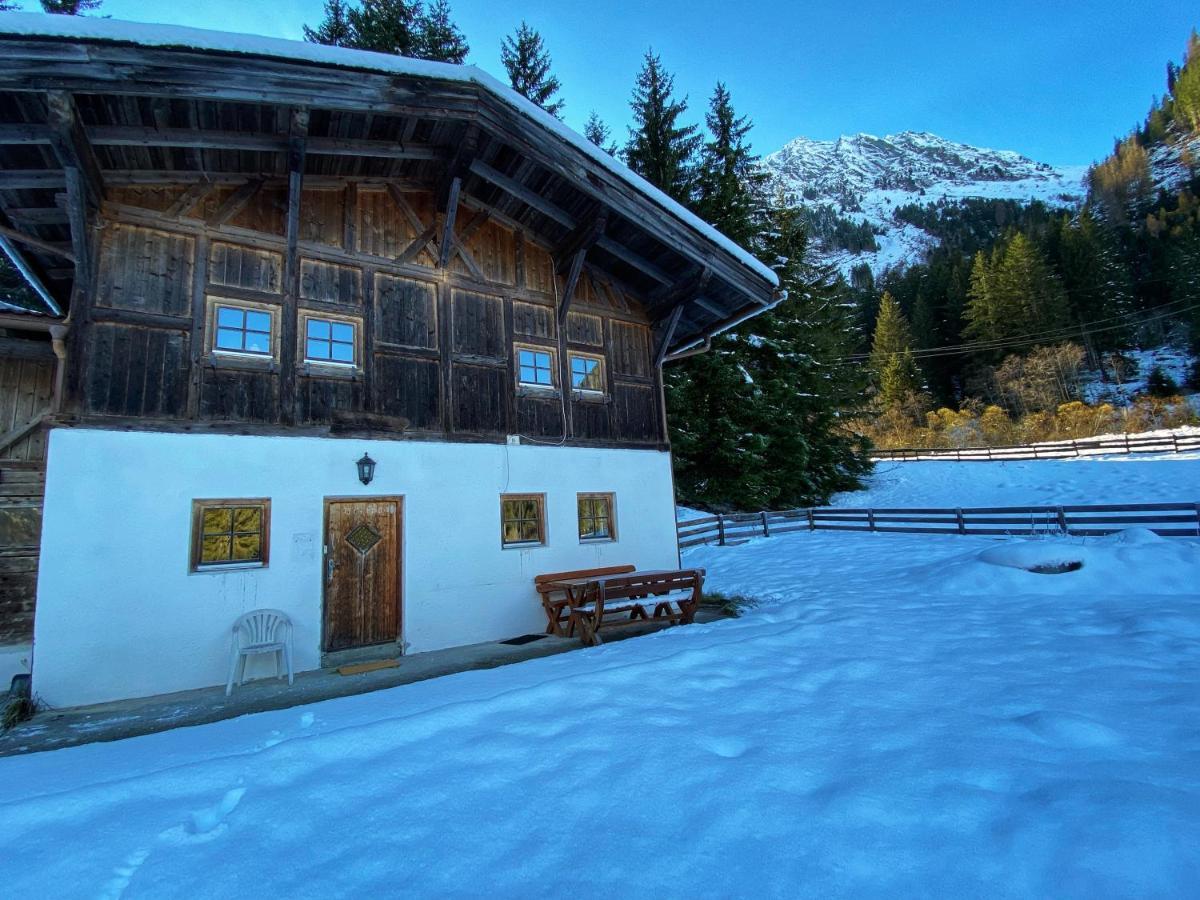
260, 631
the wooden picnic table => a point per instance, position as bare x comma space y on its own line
672, 594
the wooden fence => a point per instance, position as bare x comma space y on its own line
1167, 443
1166, 519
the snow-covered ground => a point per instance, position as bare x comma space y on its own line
1136, 478
900, 715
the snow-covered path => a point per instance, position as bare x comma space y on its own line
899, 717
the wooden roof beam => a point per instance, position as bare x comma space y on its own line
131, 136
667, 333
683, 291
457, 168
36, 243
234, 203
71, 145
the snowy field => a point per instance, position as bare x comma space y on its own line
1133, 478
900, 715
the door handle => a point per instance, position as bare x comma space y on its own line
330, 565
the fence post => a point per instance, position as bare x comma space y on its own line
1198, 520
871, 519
812, 525
721, 529
989, 454
1062, 520
766, 527
1075, 447
962, 522
1127, 450
958, 454
1174, 442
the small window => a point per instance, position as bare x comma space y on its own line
596, 522
230, 533
329, 341
535, 367
522, 520
243, 330
587, 373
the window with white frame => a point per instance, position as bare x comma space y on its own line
242, 329
330, 341
587, 373
535, 367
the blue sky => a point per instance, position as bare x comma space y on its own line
1054, 79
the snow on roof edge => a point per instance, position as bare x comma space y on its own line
177, 36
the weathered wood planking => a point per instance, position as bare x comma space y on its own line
438, 355
26, 386
22, 486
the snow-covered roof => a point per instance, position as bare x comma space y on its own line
173, 36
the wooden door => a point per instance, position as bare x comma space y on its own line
362, 572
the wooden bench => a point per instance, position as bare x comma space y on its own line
556, 599
671, 597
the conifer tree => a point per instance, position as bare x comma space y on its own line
598, 133
982, 319
7, 5
660, 148
399, 27
386, 26
70, 7
439, 38
527, 62
1187, 87
729, 180
335, 30
896, 374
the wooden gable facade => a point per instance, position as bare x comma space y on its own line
449, 222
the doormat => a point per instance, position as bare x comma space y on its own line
359, 668
524, 639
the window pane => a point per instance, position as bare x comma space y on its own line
512, 532
228, 339
317, 349
525, 357
229, 317
343, 352
527, 375
528, 509
542, 376
215, 549
318, 328
508, 509
220, 519
541, 360
247, 518
600, 527
247, 547
258, 343
529, 531
343, 332
258, 321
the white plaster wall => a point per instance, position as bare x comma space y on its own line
14, 660
119, 615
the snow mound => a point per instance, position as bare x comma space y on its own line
1039, 557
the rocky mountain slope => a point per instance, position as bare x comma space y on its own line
862, 179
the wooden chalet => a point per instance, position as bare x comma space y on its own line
263, 262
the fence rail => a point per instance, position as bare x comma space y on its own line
1166, 519
1167, 443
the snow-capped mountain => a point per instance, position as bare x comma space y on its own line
863, 178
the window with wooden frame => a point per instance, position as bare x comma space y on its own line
330, 340
535, 367
230, 534
587, 373
597, 517
522, 520
242, 330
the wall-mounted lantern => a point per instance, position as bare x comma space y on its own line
366, 469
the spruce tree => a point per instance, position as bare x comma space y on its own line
7, 5
729, 181
70, 7
439, 38
1187, 87
981, 314
660, 149
386, 26
894, 369
527, 62
335, 30
598, 133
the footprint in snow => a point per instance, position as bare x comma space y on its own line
307, 720
1069, 730
122, 875
205, 824
727, 747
